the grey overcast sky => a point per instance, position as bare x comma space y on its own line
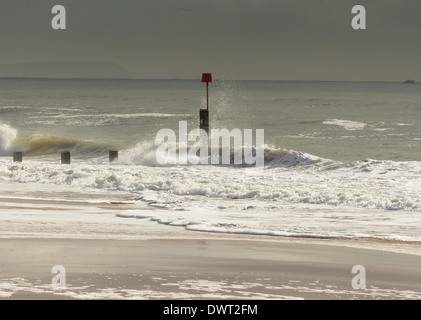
234, 39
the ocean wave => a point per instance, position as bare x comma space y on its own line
120, 115
145, 153
346, 124
96, 119
288, 176
292, 222
4, 109
38, 146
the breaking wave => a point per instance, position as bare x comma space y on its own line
145, 153
40, 145
48, 145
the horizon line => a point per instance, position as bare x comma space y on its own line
198, 79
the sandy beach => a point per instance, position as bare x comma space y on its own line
201, 269
210, 150
147, 260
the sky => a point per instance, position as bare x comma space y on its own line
234, 39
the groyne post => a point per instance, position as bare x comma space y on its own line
204, 113
65, 157
113, 155
17, 156
204, 120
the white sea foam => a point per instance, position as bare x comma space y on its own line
292, 177
185, 289
297, 194
197, 288
346, 124
297, 221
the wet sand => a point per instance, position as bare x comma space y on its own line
201, 269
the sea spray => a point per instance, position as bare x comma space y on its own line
7, 135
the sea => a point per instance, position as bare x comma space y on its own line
342, 159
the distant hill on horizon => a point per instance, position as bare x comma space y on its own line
63, 69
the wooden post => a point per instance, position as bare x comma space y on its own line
204, 113
17, 156
207, 96
207, 77
65, 157
204, 120
113, 155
